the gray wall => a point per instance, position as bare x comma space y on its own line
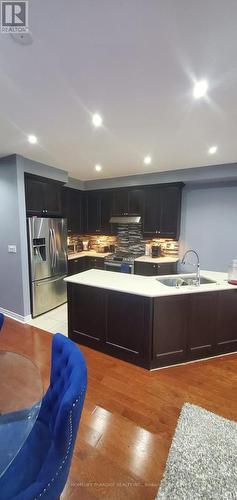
14, 272
209, 224
11, 282
221, 173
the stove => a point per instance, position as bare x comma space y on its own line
121, 262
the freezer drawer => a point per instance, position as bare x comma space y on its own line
47, 294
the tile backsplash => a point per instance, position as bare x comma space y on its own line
128, 240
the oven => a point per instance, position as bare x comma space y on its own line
119, 267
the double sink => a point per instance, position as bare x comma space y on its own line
184, 280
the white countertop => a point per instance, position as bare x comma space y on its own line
89, 253
156, 260
143, 258
146, 286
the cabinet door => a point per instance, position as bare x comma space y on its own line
152, 211
76, 266
127, 324
53, 198
106, 202
95, 263
120, 202
93, 213
170, 199
87, 319
201, 324
72, 209
35, 196
170, 330
149, 269
226, 330
136, 201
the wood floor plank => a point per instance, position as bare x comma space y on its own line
129, 415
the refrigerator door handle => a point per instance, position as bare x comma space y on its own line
51, 247
55, 248
48, 281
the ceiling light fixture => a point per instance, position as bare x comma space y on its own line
212, 150
200, 89
32, 139
98, 168
147, 160
97, 120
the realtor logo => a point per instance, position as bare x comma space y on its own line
14, 17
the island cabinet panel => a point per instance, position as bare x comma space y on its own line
170, 330
126, 323
86, 314
226, 330
115, 323
201, 325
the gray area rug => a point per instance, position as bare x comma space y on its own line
202, 461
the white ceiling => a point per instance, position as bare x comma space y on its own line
135, 62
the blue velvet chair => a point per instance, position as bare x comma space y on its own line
1, 320
41, 468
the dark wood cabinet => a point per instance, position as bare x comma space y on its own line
72, 207
201, 324
128, 201
92, 212
98, 211
120, 202
226, 329
170, 330
43, 196
76, 266
113, 322
84, 264
162, 209
150, 269
153, 332
126, 327
86, 314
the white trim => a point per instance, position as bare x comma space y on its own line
16, 316
193, 361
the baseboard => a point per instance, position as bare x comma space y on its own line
17, 317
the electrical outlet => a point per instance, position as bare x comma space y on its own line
11, 248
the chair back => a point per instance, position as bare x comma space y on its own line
1, 320
47, 453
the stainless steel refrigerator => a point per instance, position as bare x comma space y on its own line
48, 263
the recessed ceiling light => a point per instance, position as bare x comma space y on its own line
98, 168
97, 120
32, 139
212, 150
200, 89
147, 160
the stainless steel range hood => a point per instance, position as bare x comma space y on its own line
125, 219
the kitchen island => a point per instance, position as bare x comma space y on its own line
145, 322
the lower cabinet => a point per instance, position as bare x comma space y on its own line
169, 330
113, 322
153, 332
226, 314
193, 326
81, 264
150, 269
86, 315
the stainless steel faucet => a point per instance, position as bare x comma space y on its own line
183, 261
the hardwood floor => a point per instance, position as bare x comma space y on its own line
130, 414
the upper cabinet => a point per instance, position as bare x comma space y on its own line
128, 201
72, 208
98, 210
43, 196
162, 209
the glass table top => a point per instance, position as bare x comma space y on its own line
21, 392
